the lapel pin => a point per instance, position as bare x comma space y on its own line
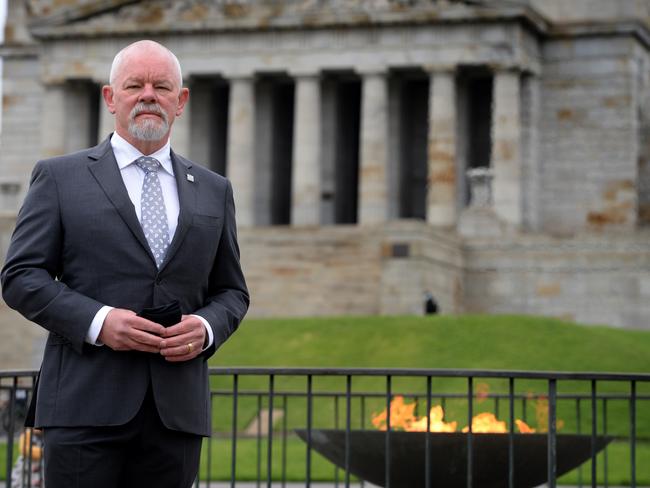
190, 178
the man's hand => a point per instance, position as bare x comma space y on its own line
123, 330
183, 341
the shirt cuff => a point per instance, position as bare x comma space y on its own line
208, 329
96, 326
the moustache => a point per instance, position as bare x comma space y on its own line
152, 108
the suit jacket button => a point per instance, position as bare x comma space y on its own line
158, 281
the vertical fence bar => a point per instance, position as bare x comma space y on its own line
470, 435
362, 403
285, 408
209, 468
30, 451
633, 434
269, 442
10, 430
388, 400
259, 441
233, 443
348, 421
427, 442
552, 433
594, 432
605, 457
336, 426
309, 428
511, 434
579, 431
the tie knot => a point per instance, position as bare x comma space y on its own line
148, 164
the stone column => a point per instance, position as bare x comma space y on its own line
54, 120
180, 136
506, 147
106, 122
241, 148
200, 135
373, 165
306, 179
442, 150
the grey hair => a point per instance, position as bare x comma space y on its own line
120, 56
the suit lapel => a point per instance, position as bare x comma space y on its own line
105, 170
186, 200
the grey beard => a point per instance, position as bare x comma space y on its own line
148, 130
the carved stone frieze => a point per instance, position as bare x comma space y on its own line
72, 18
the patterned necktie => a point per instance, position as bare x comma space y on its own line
153, 214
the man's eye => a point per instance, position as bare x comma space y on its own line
163, 87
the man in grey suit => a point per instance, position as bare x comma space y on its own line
103, 234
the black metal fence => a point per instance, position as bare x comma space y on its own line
401, 428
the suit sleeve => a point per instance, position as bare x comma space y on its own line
30, 274
228, 298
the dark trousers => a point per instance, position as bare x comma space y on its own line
139, 454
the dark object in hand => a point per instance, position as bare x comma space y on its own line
165, 315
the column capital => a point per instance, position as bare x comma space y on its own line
441, 69
305, 73
53, 81
505, 68
373, 71
239, 75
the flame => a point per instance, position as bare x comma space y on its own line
485, 423
402, 418
523, 427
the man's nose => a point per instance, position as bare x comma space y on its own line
148, 94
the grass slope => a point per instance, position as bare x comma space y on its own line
476, 342
454, 342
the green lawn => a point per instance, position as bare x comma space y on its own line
461, 342
467, 342
478, 342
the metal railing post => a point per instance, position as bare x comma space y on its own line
269, 442
348, 420
427, 443
309, 428
233, 460
511, 433
633, 434
552, 433
388, 401
470, 435
594, 432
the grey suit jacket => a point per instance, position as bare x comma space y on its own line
78, 245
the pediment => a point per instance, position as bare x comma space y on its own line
98, 18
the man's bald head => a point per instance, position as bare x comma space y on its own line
143, 47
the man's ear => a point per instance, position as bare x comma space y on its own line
183, 97
107, 94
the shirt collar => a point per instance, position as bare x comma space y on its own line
126, 154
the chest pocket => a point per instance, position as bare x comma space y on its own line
206, 220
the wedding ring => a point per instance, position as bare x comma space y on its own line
189, 348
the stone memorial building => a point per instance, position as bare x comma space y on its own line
492, 153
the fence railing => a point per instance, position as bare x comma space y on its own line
401, 427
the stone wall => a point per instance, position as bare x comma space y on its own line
371, 270
589, 137
596, 279
20, 138
312, 271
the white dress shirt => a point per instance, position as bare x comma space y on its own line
133, 177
